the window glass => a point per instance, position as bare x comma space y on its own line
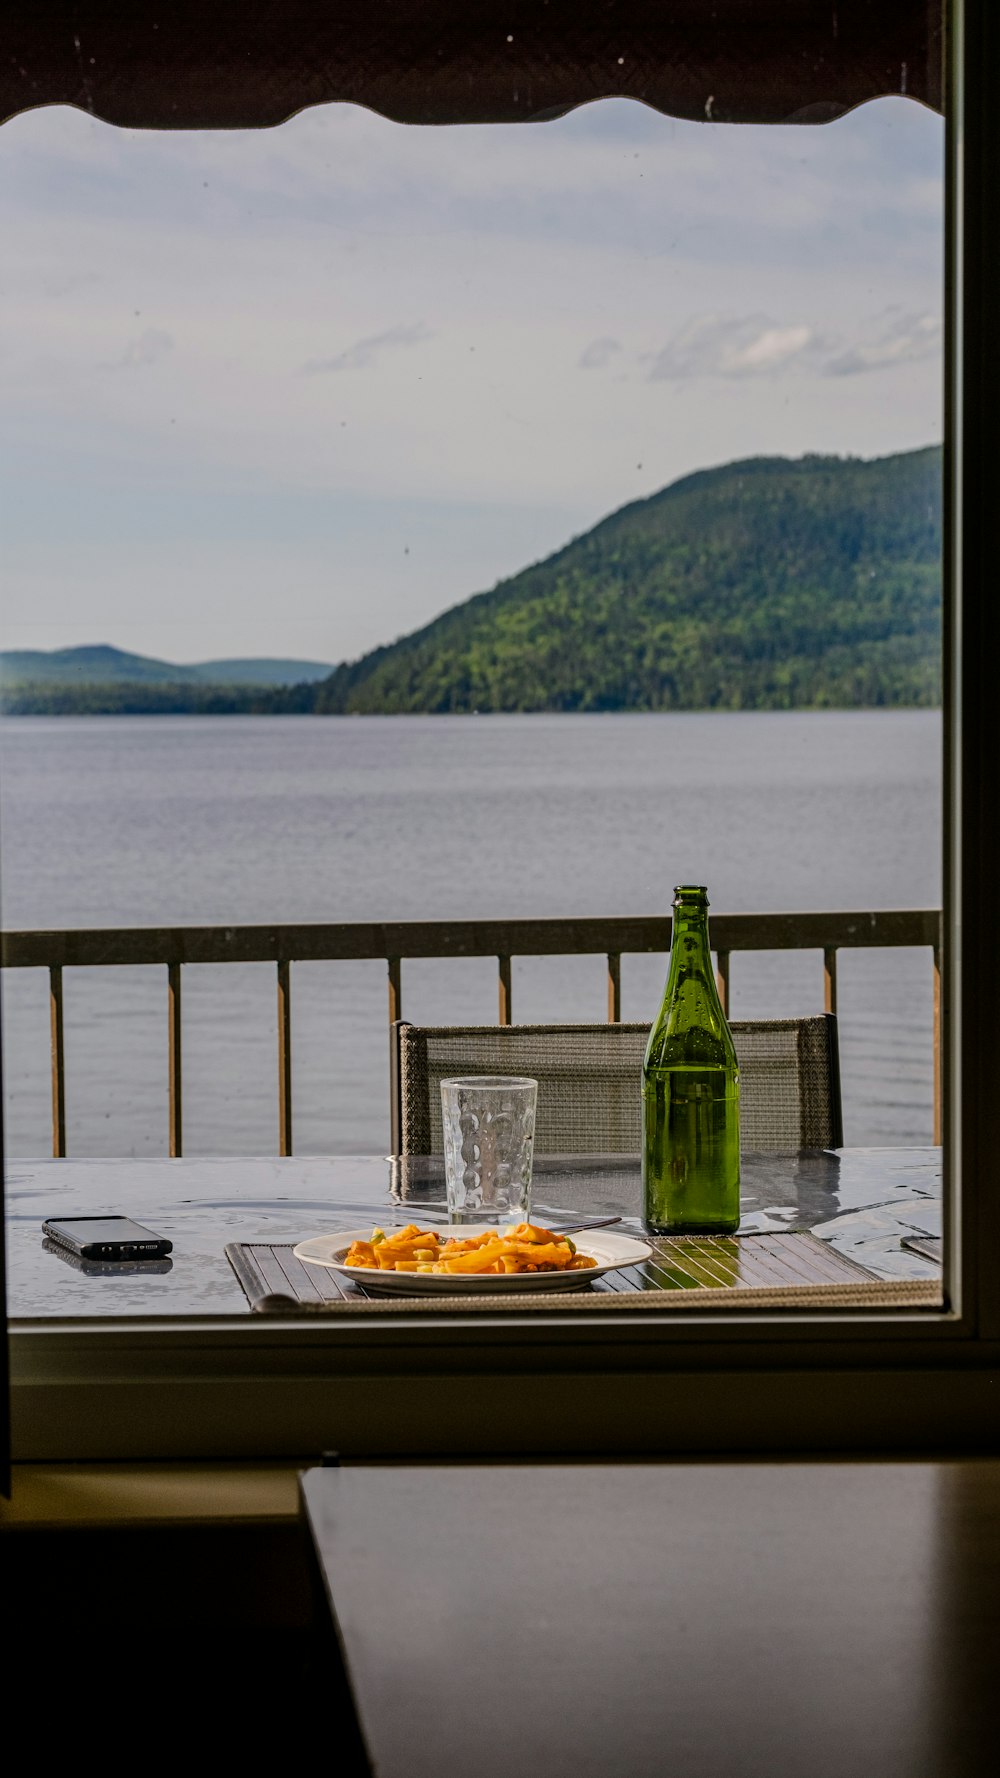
273, 401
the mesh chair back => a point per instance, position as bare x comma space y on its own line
588, 1077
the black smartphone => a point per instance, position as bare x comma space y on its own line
107, 1237
108, 1268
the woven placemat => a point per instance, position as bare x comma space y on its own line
771, 1270
928, 1246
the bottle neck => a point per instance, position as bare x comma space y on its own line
691, 955
690, 1029
690, 952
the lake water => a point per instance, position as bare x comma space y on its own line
190, 821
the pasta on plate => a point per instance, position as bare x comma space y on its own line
524, 1247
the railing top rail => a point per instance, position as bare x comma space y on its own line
360, 940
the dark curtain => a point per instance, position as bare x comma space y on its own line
242, 64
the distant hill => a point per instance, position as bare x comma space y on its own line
263, 672
72, 669
774, 583
771, 584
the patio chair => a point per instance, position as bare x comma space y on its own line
588, 1082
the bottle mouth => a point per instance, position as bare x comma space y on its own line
690, 890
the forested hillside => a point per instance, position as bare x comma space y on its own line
767, 584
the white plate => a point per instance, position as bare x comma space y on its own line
610, 1250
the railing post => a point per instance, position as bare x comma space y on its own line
722, 979
936, 955
58, 1061
829, 978
395, 990
504, 990
827, 932
284, 1057
614, 987
176, 1109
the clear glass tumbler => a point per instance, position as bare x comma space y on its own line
489, 1132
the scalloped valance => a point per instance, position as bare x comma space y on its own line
248, 64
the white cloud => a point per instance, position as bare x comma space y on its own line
896, 339
752, 345
151, 347
773, 348
732, 346
599, 353
364, 352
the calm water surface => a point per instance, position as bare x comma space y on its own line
185, 820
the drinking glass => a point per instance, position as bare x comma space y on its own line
489, 1129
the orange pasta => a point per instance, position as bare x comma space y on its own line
524, 1248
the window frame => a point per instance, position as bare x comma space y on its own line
251, 1387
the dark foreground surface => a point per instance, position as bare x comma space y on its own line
713, 1620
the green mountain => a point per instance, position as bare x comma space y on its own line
770, 584
105, 666
774, 583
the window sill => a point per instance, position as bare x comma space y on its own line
252, 1390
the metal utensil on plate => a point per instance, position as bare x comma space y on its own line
576, 1228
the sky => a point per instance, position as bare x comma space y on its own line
295, 391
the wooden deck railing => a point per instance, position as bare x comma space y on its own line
174, 948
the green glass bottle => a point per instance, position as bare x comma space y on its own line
690, 1091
